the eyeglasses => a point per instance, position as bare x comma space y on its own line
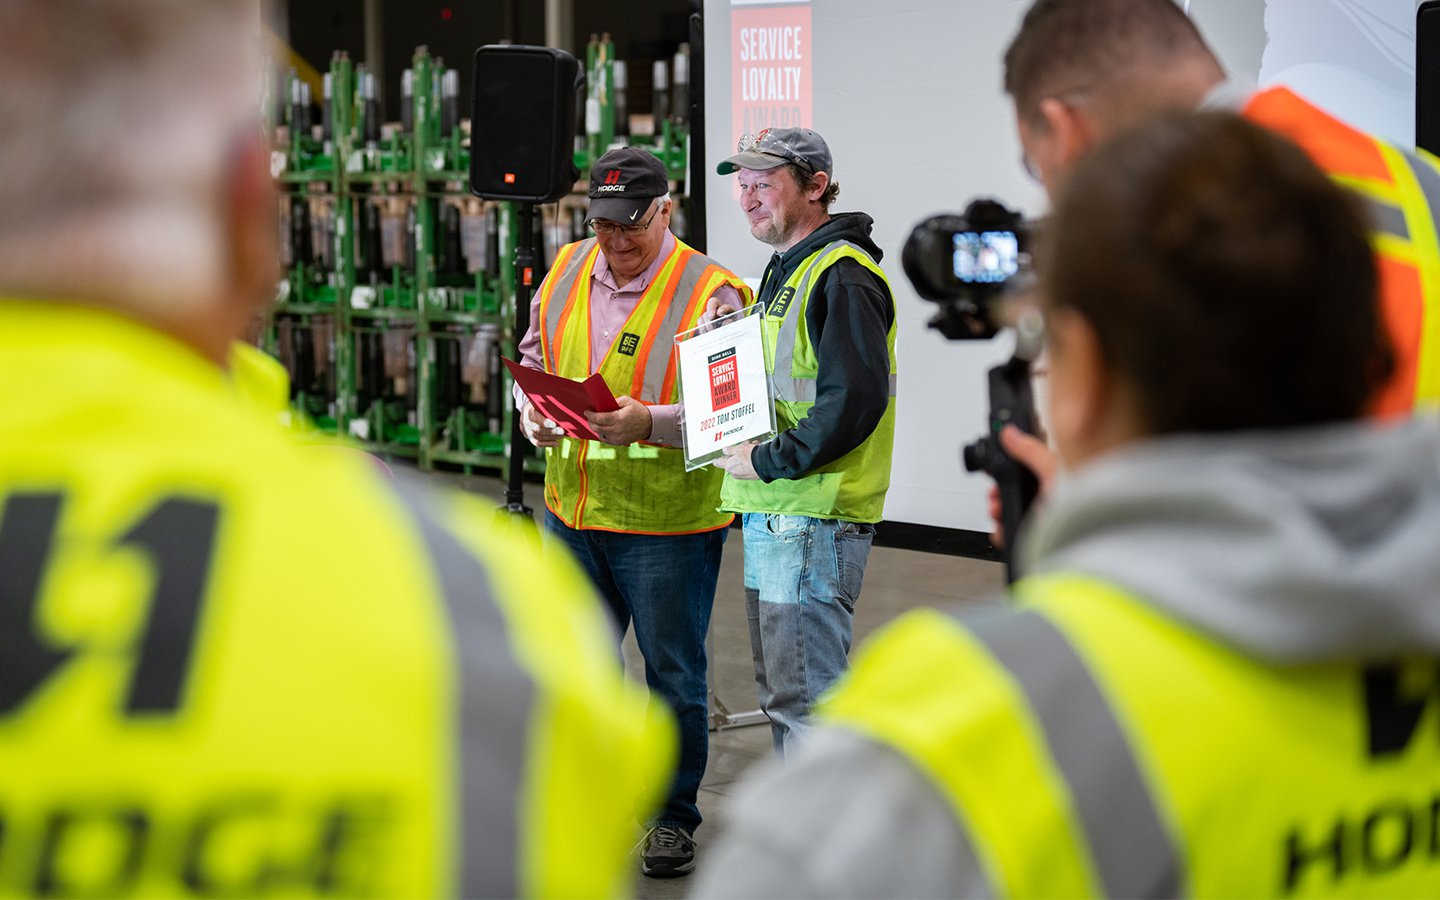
1031, 169
750, 143
1073, 98
606, 227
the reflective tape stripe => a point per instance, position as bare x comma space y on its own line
802, 390
564, 283
659, 362
1383, 190
1427, 176
1395, 249
1133, 852
788, 388
1387, 218
804, 280
1418, 182
496, 700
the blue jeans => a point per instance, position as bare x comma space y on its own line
802, 577
665, 585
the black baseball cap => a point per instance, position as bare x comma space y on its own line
623, 184
774, 147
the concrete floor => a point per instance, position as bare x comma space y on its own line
895, 580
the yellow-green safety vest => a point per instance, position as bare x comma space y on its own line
232, 664
852, 487
261, 381
643, 487
1090, 745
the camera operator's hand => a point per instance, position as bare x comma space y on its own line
1032, 453
715, 308
736, 461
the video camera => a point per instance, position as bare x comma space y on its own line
967, 263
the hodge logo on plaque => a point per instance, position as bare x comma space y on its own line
724, 386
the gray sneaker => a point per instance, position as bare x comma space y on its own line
669, 852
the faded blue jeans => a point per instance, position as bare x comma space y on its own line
802, 577
663, 584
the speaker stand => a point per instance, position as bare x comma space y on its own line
524, 276
720, 716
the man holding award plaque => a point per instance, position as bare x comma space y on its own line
811, 494
647, 531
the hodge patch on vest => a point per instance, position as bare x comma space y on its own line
780, 303
628, 343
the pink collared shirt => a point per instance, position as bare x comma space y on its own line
610, 306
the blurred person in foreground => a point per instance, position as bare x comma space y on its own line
1217, 676
228, 664
1079, 71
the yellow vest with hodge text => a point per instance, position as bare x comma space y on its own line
641, 488
235, 665
852, 487
1091, 746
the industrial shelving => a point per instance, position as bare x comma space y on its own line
397, 293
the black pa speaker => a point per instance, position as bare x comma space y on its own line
522, 131
1427, 76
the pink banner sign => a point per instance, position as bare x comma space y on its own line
770, 66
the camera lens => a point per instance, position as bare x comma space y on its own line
974, 455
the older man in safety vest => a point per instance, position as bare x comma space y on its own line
647, 531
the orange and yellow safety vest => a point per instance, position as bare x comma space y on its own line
643, 487
1402, 189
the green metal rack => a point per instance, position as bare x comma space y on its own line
397, 295
377, 320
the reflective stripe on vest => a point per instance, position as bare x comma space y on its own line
494, 724
1402, 191
641, 488
1419, 184
1132, 852
1009, 723
571, 259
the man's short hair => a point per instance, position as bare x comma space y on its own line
804, 178
1230, 282
1074, 45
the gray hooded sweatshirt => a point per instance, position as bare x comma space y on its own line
1305, 546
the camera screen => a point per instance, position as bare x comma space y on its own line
986, 257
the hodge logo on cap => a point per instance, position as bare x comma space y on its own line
611, 183
623, 182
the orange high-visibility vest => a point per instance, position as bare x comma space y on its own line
643, 487
1402, 188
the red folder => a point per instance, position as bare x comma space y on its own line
564, 401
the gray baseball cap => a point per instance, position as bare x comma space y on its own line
774, 147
